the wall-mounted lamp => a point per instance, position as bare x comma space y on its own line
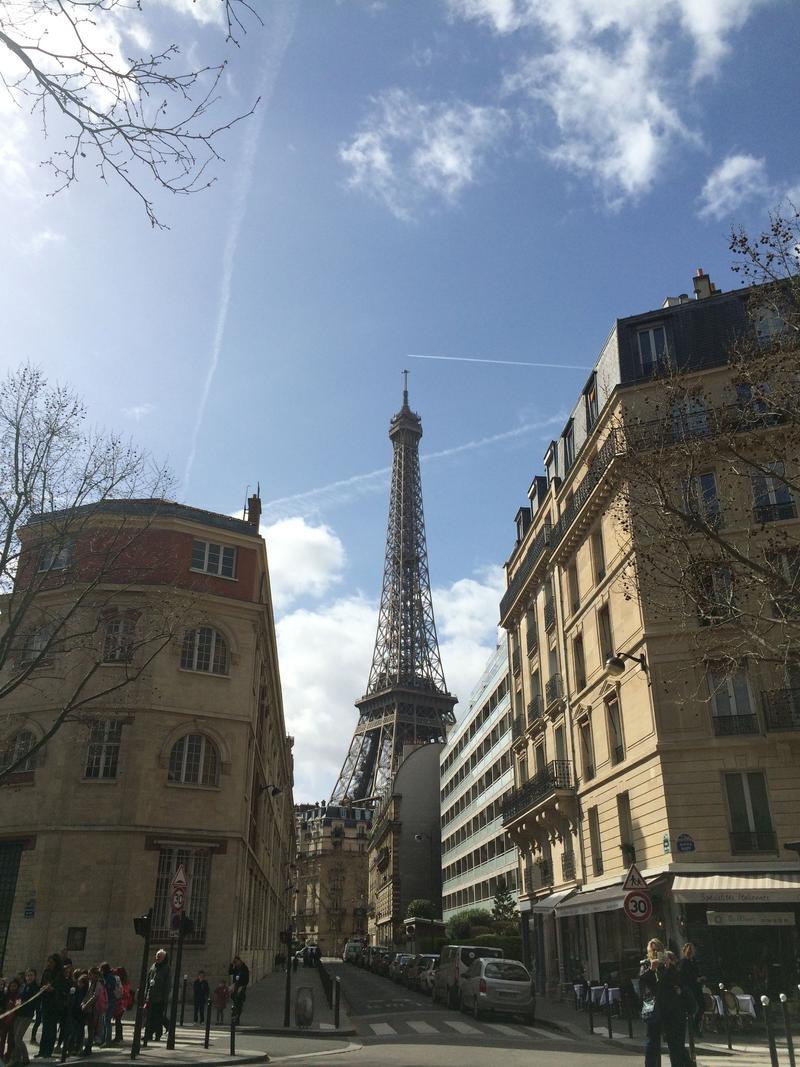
275, 790
615, 664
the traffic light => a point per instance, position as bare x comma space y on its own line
141, 924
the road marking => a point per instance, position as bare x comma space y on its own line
545, 1033
507, 1031
422, 1027
383, 1029
459, 1027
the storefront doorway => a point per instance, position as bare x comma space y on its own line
10, 852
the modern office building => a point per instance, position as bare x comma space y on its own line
476, 776
173, 765
331, 877
651, 608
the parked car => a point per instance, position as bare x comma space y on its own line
411, 975
454, 963
351, 951
398, 966
426, 975
382, 961
493, 985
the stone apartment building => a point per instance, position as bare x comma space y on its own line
331, 877
188, 766
640, 734
476, 772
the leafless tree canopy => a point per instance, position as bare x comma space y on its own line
67, 599
719, 560
146, 119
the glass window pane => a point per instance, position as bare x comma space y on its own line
759, 801
228, 562
205, 638
659, 341
717, 683
199, 555
220, 654
741, 694
736, 803
187, 652
213, 559
176, 761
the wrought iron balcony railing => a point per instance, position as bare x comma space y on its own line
754, 841
534, 709
515, 664
731, 725
782, 709
519, 725
591, 479
549, 614
556, 777
532, 557
568, 867
764, 513
552, 689
532, 642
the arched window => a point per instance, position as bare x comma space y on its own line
18, 746
119, 630
204, 649
194, 761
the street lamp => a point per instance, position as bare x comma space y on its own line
275, 790
615, 663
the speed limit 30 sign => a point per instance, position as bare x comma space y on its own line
638, 906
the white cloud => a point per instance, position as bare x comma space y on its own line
737, 180
408, 154
137, 412
613, 75
304, 560
325, 652
44, 238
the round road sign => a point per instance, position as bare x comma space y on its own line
638, 906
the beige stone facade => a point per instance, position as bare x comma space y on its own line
331, 880
651, 759
189, 765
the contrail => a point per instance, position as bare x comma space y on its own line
278, 37
346, 489
502, 362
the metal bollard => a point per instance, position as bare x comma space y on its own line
627, 1007
607, 997
725, 1015
207, 1040
773, 1052
787, 1026
183, 998
590, 1008
337, 999
233, 1032
690, 1030
64, 1043
145, 1025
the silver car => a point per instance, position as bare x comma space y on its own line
499, 986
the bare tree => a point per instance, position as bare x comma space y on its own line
76, 506
140, 118
708, 478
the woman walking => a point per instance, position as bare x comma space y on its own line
691, 986
662, 1007
54, 1003
22, 1020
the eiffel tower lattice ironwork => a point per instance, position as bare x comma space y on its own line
406, 701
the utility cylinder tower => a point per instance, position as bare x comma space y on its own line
406, 701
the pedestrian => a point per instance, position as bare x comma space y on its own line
691, 985
124, 1001
12, 1002
221, 997
78, 1035
55, 999
37, 1014
662, 1007
106, 1022
22, 1020
157, 995
93, 1006
200, 990
241, 978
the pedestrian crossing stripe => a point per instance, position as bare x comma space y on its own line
459, 1027
383, 1029
422, 1027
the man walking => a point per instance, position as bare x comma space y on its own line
200, 990
240, 976
157, 995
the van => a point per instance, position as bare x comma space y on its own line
351, 951
454, 963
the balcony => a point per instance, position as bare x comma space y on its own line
591, 480
764, 513
567, 867
515, 664
534, 710
549, 614
556, 777
519, 725
532, 557
532, 643
553, 690
782, 709
753, 841
732, 725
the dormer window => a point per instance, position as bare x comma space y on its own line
653, 351
56, 556
591, 403
212, 558
569, 446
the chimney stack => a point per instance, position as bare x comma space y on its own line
703, 286
254, 510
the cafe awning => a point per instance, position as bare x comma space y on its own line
584, 902
745, 888
548, 903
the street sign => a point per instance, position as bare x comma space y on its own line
685, 843
634, 880
638, 906
178, 887
179, 879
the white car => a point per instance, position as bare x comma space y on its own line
454, 962
426, 975
499, 986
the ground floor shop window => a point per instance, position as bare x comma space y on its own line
196, 865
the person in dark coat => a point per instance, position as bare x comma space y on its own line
201, 990
240, 977
55, 1000
157, 995
691, 986
23, 1019
659, 984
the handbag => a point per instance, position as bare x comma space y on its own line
649, 1010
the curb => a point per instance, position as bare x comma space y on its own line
279, 1031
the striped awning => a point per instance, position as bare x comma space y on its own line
545, 904
755, 888
583, 902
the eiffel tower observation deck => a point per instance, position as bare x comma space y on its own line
406, 702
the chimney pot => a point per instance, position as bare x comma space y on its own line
703, 286
254, 510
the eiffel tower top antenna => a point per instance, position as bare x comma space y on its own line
407, 701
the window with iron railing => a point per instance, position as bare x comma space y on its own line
748, 807
552, 689
782, 709
772, 497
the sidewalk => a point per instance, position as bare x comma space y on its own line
263, 1011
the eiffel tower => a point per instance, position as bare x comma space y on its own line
406, 701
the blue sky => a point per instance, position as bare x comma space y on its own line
489, 179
